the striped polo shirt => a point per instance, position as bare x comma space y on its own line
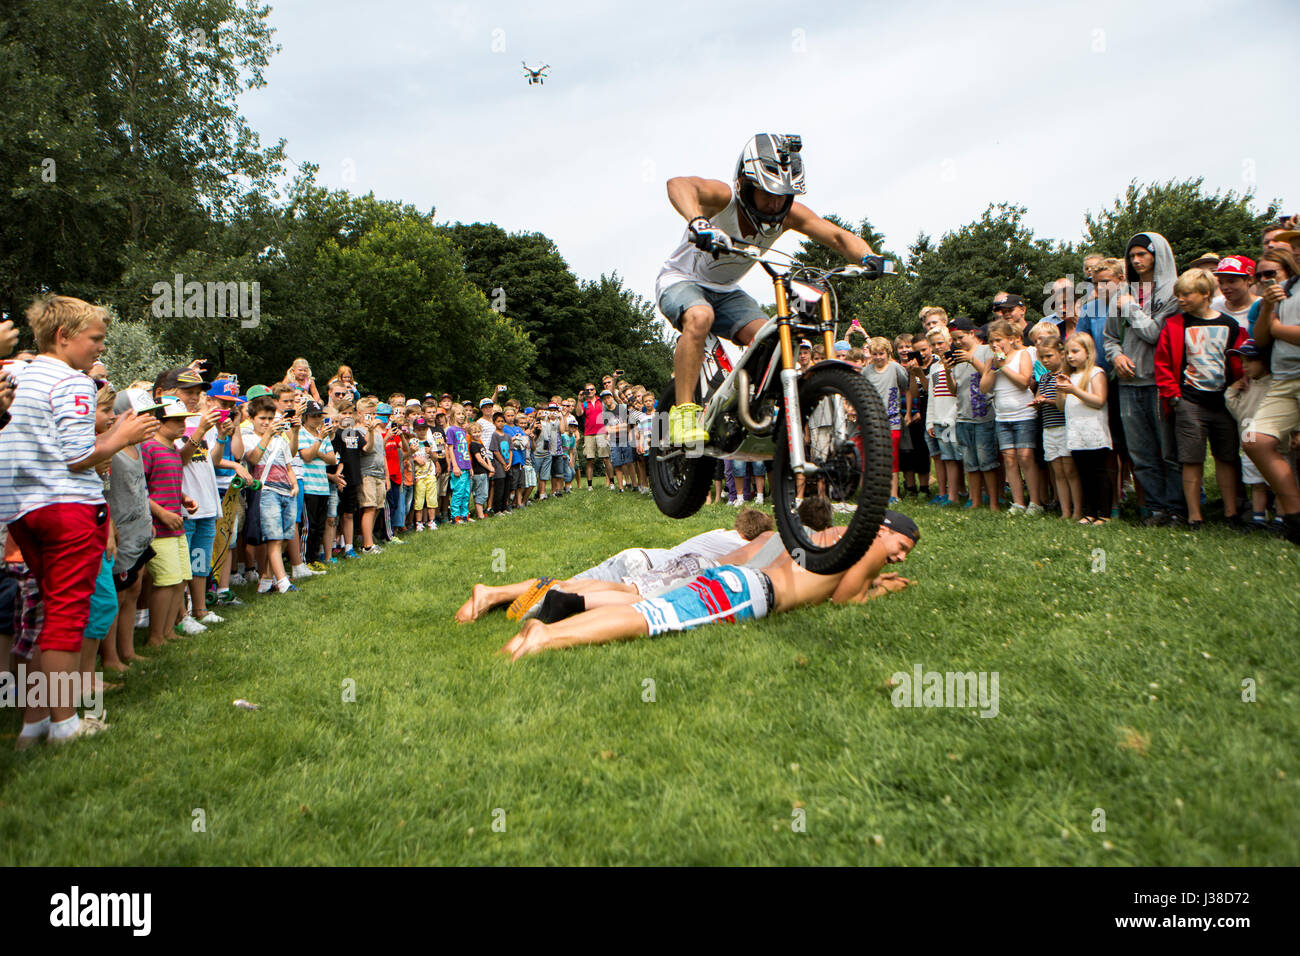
52, 425
162, 473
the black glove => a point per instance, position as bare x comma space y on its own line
708, 237
874, 265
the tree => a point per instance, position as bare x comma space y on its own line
127, 143
997, 252
1192, 221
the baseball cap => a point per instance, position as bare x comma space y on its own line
843, 345
485, 403
136, 400
412, 401
1248, 350
178, 378
444, 395
805, 344
897, 521
312, 408
961, 324
383, 410
605, 392
553, 407
175, 408
468, 403
1235, 266
529, 411
257, 391
1010, 301
421, 421
1206, 259
224, 388
1288, 235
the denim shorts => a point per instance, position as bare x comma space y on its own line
946, 437
543, 464
620, 455
740, 469
480, 483
979, 442
201, 533
1021, 434
732, 311
932, 444
277, 515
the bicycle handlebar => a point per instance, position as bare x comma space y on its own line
883, 266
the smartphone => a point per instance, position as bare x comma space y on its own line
223, 415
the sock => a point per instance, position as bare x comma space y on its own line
264, 585
300, 567
38, 729
557, 605
283, 585
64, 728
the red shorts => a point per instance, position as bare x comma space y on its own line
63, 544
893, 440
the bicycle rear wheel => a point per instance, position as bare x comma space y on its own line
852, 454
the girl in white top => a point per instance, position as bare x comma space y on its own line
1008, 376
1083, 393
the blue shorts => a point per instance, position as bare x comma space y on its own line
1022, 434
201, 533
725, 593
979, 442
932, 445
732, 311
543, 465
480, 483
620, 455
948, 442
277, 515
740, 469
103, 604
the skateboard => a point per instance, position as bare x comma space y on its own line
232, 503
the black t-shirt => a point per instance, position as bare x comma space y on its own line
475, 450
347, 444
1204, 376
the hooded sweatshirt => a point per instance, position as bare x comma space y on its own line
1136, 333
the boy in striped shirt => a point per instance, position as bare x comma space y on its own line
51, 497
170, 567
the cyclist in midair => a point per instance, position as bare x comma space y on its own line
698, 287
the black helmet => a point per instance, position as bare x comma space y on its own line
770, 162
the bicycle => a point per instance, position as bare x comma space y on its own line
827, 425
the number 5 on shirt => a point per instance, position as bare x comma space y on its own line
82, 404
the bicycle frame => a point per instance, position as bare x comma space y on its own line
725, 387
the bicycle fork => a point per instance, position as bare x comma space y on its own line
790, 382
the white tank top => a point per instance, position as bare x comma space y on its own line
689, 264
1010, 401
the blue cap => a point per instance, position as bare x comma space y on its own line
528, 411
843, 346
1248, 350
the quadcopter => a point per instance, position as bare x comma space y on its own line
538, 75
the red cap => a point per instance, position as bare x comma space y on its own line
1235, 266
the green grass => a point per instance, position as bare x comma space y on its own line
1119, 689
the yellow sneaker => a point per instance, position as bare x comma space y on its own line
684, 425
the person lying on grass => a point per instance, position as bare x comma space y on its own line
636, 569
733, 593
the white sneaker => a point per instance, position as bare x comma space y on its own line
142, 620
758, 499
189, 627
419, 526
396, 541
1034, 510
264, 586
734, 502
212, 617
1015, 510
302, 571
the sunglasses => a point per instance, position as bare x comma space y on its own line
1266, 274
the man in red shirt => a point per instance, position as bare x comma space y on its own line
595, 443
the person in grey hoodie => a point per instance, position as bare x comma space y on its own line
1133, 322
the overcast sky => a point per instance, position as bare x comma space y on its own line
916, 115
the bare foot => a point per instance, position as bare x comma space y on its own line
117, 666
155, 642
530, 639
109, 686
476, 605
135, 657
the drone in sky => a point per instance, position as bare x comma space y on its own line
537, 76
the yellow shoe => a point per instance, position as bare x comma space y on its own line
684, 425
